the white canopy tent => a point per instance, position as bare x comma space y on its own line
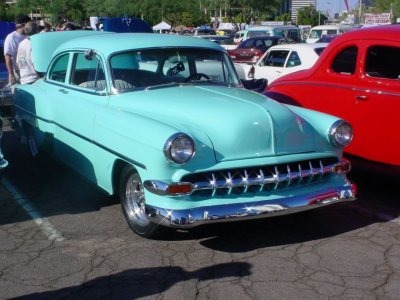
161, 26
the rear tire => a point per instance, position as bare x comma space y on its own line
131, 193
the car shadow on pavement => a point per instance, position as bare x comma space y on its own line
377, 203
144, 282
50, 187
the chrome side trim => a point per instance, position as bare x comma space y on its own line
187, 218
355, 89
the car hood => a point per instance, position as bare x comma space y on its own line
240, 124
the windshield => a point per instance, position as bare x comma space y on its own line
315, 34
163, 67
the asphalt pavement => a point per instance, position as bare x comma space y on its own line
63, 238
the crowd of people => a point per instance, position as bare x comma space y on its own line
18, 49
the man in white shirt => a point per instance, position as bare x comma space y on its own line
24, 56
11, 47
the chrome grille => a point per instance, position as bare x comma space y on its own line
259, 179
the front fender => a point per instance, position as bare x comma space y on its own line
140, 140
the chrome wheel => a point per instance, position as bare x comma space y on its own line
133, 203
134, 200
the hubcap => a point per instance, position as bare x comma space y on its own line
134, 201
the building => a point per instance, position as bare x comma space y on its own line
297, 4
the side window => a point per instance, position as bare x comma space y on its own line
294, 34
211, 65
294, 60
383, 62
88, 73
247, 44
58, 71
275, 58
260, 44
345, 62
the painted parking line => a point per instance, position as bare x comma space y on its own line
44, 224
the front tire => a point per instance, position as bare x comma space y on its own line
131, 193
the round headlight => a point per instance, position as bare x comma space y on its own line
341, 133
179, 148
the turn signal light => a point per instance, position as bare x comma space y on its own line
179, 189
343, 166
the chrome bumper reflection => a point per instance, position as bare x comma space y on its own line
187, 218
261, 178
3, 164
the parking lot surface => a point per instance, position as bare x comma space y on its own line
61, 237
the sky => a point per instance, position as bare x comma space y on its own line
335, 6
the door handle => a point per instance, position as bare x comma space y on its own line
362, 97
64, 91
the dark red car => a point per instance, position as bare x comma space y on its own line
356, 78
250, 50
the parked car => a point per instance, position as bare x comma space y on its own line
140, 116
250, 50
3, 161
319, 31
327, 38
283, 31
283, 59
225, 41
357, 79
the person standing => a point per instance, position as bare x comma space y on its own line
11, 47
24, 55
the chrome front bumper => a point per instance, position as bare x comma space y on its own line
187, 218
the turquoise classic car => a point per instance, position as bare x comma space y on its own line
163, 121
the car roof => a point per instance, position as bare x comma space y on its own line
264, 37
221, 37
269, 27
115, 42
331, 26
382, 32
298, 46
45, 46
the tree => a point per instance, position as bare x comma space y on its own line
308, 15
385, 6
284, 17
248, 11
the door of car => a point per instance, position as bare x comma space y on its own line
78, 91
377, 101
359, 83
272, 65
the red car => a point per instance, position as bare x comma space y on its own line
250, 50
357, 78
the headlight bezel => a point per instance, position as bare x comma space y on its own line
336, 133
172, 142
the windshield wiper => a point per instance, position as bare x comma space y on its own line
163, 85
192, 82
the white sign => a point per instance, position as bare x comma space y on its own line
378, 19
